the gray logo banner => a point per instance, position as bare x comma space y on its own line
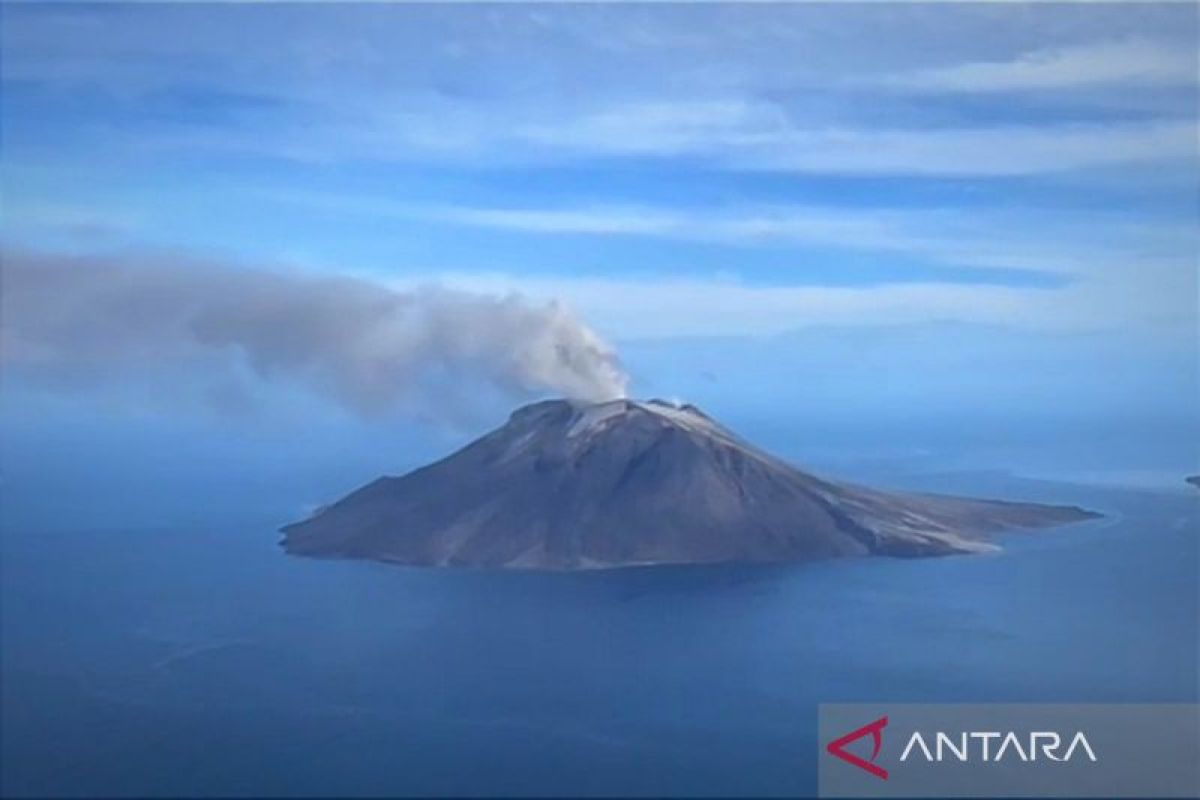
1009, 750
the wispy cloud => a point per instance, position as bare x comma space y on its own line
1151, 302
74, 222
417, 85
1035, 241
729, 135
1132, 62
1010, 150
939, 236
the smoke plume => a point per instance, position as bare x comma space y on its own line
372, 348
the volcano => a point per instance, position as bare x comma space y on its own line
569, 485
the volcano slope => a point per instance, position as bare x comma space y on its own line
570, 485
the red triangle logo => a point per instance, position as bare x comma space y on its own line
875, 729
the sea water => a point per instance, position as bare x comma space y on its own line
201, 660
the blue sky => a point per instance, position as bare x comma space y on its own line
685, 173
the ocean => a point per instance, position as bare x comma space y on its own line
201, 660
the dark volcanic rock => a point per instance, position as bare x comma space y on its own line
566, 485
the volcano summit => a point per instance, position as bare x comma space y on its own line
571, 485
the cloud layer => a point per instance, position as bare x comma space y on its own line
873, 93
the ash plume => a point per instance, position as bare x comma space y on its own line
74, 320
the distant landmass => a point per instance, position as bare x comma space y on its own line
1194, 480
569, 485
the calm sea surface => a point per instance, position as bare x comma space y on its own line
204, 661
